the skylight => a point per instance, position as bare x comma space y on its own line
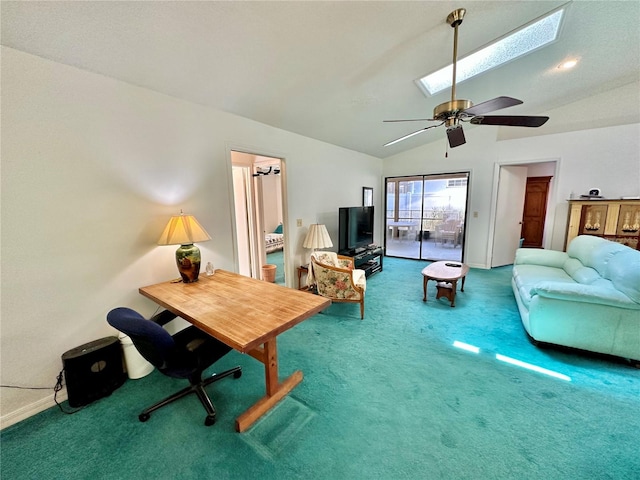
526, 39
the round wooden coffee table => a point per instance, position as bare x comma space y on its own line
446, 274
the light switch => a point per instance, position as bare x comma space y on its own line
299, 222
475, 214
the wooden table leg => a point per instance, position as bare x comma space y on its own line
454, 283
462, 286
424, 287
275, 390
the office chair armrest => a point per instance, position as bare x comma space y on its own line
163, 317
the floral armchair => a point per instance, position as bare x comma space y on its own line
335, 278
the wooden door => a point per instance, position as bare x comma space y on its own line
535, 211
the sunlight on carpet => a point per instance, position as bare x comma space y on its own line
279, 428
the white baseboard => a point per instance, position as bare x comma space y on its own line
31, 409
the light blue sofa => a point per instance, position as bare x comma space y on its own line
587, 297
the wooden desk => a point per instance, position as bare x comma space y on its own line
246, 314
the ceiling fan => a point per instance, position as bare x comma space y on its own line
454, 112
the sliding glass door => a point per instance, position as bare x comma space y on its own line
425, 216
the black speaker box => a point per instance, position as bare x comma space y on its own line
93, 370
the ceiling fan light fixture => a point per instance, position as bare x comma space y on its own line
455, 135
526, 39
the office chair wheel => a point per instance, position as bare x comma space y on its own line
210, 420
237, 374
143, 417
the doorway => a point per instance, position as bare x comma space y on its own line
510, 187
258, 185
426, 216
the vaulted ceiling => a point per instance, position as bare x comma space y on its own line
334, 70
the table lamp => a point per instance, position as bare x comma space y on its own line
317, 237
184, 230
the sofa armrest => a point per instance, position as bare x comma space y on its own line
576, 292
536, 256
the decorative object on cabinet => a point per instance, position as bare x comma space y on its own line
593, 193
184, 230
615, 220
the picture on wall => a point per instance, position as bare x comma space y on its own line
367, 196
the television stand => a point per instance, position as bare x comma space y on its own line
367, 259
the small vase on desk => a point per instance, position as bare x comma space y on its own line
209, 269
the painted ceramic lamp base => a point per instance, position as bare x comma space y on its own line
188, 260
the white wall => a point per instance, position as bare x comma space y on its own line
608, 158
92, 169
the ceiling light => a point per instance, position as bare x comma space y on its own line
568, 64
530, 37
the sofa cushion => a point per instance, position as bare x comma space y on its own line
596, 294
527, 276
537, 256
532, 274
624, 273
579, 272
594, 252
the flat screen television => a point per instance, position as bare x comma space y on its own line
355, 228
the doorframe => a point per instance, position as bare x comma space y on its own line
262, 152
549, 221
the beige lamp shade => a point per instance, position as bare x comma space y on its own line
183, 230
317, 237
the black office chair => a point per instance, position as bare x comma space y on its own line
184, 355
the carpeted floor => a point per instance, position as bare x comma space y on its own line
388, 397
276, 258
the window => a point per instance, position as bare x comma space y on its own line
526, 39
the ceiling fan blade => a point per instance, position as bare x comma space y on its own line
492, 105
413, 120
510, 120
411, 134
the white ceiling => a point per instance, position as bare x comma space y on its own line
333, 70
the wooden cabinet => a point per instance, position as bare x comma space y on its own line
616, 220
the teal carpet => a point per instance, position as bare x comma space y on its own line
388, 397
277, 259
